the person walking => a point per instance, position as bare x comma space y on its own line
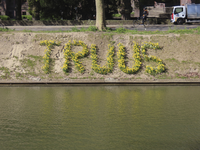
145, 14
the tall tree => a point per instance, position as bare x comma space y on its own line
125, 9
100, 15
19, 10
83, 10
69, 9
57, 9
111, 8
34, 8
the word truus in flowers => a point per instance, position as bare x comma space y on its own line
75, 56
50, 44
149, 69
108, 68
121, 59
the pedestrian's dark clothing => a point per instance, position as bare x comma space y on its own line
145, 14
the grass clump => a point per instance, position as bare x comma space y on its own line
121, 30
6, 73
19, 75
90, 28
2, 29
37, 58
30, 62
75, 29
27, 63
184, 31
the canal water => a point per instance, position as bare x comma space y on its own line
100, 118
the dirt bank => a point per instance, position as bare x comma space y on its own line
21, 57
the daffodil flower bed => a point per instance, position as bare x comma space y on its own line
75, 56
121, 59
149, 69
108, 68
50, 44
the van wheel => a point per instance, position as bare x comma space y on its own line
180, 21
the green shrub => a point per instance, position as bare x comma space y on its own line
121, 30
75, 29
116, 15
28, 17
108, 29
4, 17
5, 29
92, 28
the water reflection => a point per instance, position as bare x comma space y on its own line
100, 117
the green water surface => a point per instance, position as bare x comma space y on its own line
100, 118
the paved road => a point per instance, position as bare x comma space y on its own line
131, 27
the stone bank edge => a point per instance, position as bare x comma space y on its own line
109, 81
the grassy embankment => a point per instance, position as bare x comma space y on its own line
180, 59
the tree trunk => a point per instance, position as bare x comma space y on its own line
19, 10
100, 15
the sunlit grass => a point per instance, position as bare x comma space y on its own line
5, 29
120, 30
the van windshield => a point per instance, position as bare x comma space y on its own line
178, 10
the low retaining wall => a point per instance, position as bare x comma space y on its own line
99, 83
77, 22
